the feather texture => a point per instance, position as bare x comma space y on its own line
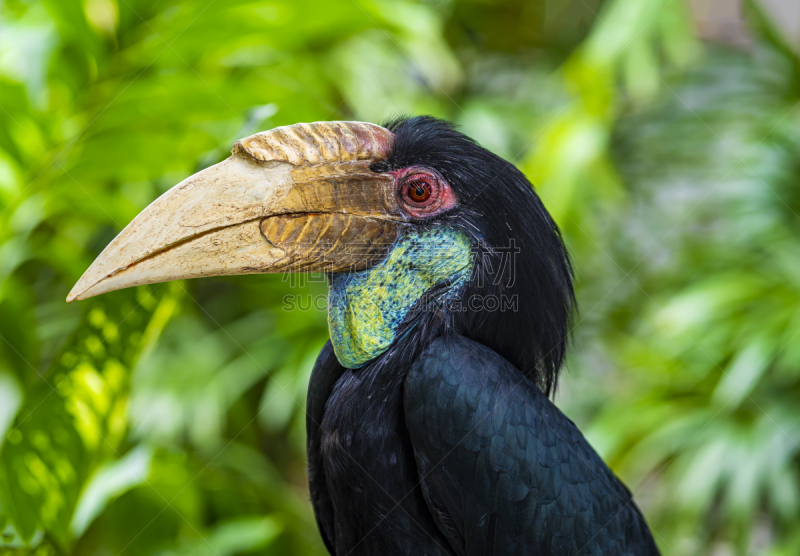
512, 474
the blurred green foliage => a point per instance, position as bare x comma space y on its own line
169, 419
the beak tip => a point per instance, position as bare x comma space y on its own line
74, 295
81, 290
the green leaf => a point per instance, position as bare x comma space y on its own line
74, 419
109, 481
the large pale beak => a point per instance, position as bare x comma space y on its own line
299, 197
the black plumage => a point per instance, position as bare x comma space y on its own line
447, 443
510, 472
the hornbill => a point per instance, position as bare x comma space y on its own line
430, 429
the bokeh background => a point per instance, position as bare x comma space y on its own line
662, 135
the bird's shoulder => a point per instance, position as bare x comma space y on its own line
505, 467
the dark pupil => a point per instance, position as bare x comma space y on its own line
419, 191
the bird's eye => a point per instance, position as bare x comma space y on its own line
419, 190
422, 192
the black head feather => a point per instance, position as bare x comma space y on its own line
500, 211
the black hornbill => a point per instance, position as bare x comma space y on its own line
429, 426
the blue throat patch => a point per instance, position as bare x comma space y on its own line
366, 308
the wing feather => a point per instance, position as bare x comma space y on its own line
507, 470
326, 372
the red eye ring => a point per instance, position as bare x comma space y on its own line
418, 189
422, 192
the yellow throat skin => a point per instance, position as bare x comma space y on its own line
366, 309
